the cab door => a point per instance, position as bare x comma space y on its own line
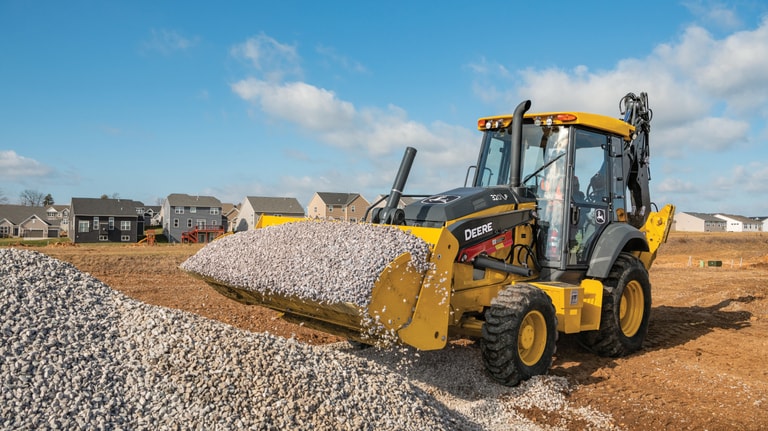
590, 204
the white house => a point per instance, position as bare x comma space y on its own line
735, 223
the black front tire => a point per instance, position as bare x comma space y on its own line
519, 334
626, 310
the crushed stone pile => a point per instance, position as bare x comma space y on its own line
325, 262
74, 354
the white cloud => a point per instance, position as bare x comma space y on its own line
731, 69
337, 122
702, 135
14, 167
274, 60
715, 13
168, 41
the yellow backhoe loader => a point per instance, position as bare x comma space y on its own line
554, 230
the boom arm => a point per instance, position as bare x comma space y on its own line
637, 113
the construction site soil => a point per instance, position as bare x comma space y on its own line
703, 366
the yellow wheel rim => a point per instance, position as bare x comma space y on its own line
532, 338
632, 308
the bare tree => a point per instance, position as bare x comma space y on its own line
31, 198
3, 199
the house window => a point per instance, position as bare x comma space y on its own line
189, 222
200, 223
178, 210
215, 223
125, 225
192, 210
5, 231
214, 211
95, 223
111, 223
103, 238
125, 238
330, 208
175, 222
83, 226
352, 208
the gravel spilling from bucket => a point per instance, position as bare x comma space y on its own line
74, 354
325, 262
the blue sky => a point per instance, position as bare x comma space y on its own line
231, 99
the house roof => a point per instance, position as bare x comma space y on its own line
58, 208
228, 208
105, 207
338, 198
740, 219
706, 217
16, 214
279, 205
185, 200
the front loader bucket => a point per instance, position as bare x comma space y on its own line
406, 302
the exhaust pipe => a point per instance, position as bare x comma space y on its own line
517, 143
390, 213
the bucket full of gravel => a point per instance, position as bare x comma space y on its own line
327, 274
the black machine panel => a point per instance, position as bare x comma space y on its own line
435, 210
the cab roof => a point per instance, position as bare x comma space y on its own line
595, 121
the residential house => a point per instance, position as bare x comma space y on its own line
199, 215
230, 214
94, 220
698, 222
337, 206
253, 207
736, 223
151, 215
60, 213
23, 221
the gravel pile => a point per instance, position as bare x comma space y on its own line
325, 262
74, 354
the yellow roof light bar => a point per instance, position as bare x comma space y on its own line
597, 121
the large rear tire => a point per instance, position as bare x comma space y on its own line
519, 334
626, 310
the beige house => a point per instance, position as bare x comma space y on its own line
22, 221
698, 222
337, 206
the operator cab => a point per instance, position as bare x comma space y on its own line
571, 164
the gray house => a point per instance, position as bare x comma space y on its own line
253, 207
191, 218
105, 220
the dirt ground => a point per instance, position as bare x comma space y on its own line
704, 365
